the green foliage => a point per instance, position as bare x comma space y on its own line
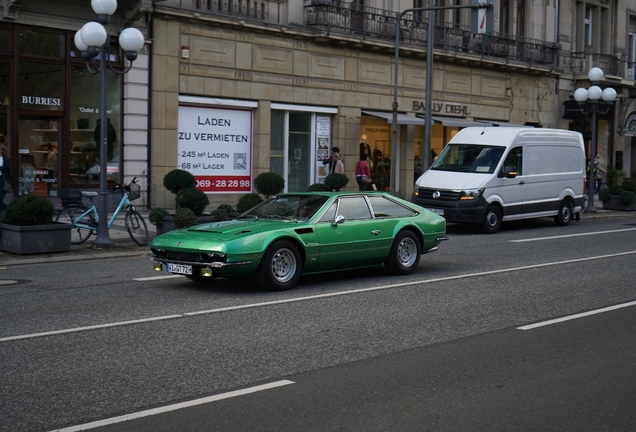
193, 199
248, 201
28, 211
178, 180
615, 189
269, 184
604, 195
228, 208
184, 218
614, 175
629, 185
336, 181
220, 214
317, 187
156, 216
627, 197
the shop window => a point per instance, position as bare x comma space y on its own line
41, 43
5, 99
85, 133
41, 86
5, 39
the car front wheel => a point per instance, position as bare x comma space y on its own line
492, 220
564, 216
405, 254
281, 266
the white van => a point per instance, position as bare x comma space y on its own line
486, 175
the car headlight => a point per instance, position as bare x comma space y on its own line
470, 194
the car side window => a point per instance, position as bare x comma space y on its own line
515, 158
354, 208
384, 207
330, 214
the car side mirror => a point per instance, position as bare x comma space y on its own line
509, 171
339, 219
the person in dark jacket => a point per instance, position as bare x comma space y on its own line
5, 173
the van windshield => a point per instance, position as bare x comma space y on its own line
469, 158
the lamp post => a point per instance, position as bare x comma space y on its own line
594, 93
93, 41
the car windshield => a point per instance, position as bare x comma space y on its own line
469, 158
293, 207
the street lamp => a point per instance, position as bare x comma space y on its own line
93, 41
594, 93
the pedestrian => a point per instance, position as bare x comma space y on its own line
5, 175
51, 165
337, 166
363, 172
329, 160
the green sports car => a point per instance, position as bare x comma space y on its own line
303, 233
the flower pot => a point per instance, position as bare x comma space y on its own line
52, 237
614, 204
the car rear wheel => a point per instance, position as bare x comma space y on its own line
405, 254
564, 216
492, 220
281, 266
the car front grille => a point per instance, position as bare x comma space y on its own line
445, 195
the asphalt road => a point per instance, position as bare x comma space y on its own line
436, 350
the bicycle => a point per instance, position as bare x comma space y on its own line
85, 220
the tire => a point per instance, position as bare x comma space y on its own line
136, 226
405, 253
68, 215
492, 220
564, 217
280, 267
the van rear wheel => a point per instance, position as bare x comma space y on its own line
492, 220
564, 217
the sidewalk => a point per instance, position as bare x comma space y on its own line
124, 246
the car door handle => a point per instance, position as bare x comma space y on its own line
522, 182
375, 232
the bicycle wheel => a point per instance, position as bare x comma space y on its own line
136, 226
68, 215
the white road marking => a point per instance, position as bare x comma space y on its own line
151, 278
572, 235
174, 407
576, 316
314, 297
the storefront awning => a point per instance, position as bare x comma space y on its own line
402, 119
459, 122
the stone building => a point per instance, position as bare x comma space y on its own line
228, 89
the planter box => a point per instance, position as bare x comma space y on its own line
168, 223
615, 204
53, 237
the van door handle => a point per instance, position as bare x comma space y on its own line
522, 182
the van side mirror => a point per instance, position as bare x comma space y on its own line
509, 171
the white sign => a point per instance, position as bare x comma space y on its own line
215, 145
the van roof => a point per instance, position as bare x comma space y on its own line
505, 135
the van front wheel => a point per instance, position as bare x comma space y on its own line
492, 220
564, 216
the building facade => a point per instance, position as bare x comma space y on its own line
49, 113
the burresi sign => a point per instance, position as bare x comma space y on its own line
215, 145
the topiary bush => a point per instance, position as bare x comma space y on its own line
156, 216
336, 181
269, 184
615, 189
228, 208
248, 201
627, 197
317, 187
184, 218
604, 195
194, 199
629, 185
220, 214
28, 210
178, 180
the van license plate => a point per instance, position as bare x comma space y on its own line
179, 269
438, 211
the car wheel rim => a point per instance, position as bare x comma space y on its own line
565, 213
407, 252
284, 265
492, 219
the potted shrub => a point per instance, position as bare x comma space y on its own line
248, 201
269, 183
619, 197
335, 181
184, 218
27, 227
317, 187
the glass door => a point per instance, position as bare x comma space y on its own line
291, 152
38, 166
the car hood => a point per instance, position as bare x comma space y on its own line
449, 180
218, 232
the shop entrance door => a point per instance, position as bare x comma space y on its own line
38, 165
